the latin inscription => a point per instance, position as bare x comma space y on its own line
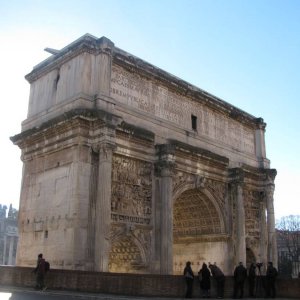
150, 97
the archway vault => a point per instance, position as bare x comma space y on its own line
197, 216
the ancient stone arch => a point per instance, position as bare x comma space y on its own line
113, 148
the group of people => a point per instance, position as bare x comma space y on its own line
204, 278
240, 275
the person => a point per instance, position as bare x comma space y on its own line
219, 277
204, 278
251, 279
189, 279
270, 280
40, 272
239, 275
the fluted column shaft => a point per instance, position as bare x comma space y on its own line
103, 208
166, 220
240, 228
272, 244
263, 234
164, 170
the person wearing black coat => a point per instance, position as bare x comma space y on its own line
240, 275
204, 279
189, 279
219, 277
251, 279
270, 280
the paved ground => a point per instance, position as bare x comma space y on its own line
14, 293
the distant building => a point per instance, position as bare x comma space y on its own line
288, 245
8, 235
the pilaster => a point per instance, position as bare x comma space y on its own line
104, 63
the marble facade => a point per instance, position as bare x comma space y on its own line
128, 168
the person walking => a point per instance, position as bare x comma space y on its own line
271, 276
204, 279
189, 279
40, 271
219, 277
252, 279
239, 275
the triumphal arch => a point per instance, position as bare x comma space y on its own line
127, 168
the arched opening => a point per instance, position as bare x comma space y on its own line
198, 231
126, 256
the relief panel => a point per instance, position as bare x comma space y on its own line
131, 211
131, 200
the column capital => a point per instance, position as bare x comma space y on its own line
237, 176
261, 125
164, 168
165, 165
104, 148
165, 151
270, 175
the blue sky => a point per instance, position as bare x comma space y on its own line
244, 52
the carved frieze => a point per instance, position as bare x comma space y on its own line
131, 200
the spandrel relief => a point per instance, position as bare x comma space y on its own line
130, 251
131, 190
181, 179
218, 189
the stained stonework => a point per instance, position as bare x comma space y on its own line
128, 168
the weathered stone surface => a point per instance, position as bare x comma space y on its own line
130, 169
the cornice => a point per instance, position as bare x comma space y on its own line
91, 44
200, 152
106, 118
137, 131
85, 44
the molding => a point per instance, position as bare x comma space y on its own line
92, 45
